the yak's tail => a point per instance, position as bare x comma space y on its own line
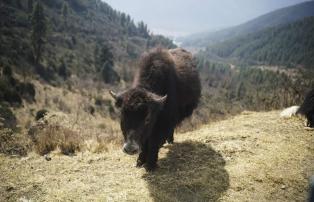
289, 112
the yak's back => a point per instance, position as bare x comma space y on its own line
172, 73
155, 68
188, 82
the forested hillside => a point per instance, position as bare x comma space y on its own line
78, 37
228, 89
278, 17
290, 45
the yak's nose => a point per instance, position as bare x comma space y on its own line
130, 149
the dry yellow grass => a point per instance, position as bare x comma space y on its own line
251, 157
71, 125
71, 102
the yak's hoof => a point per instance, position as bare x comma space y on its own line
139, 164
150, 168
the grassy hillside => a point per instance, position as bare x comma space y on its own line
251, 157
89, 47
272, 19
290, 45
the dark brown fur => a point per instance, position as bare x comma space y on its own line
307, 108
162, 72
171, 73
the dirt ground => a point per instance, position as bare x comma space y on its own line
251, 157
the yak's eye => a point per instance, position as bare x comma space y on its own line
118, 102
138, 114
142, 110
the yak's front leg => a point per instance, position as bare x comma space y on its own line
152, 156
310, 121
141, 160
170, 138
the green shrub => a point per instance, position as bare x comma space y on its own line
9, 94
7, 118
27, 91
40, 114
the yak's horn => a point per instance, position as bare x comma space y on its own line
113, 94
159, 99
162, 100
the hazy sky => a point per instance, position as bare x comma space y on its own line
177, 17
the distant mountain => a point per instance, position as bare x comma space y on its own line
272, 19
287, 45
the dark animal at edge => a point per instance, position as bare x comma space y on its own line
307, 108
165, 91
311, 194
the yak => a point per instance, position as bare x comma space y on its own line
166, 89
307, 108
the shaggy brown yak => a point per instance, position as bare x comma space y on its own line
165, 91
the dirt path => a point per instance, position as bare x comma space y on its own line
252, 157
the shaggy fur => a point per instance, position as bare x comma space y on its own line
171, 73
162, 72
307, 108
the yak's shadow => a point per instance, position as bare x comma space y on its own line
191, 171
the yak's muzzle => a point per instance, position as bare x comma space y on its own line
131, 148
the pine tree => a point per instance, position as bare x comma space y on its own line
91, 17
63, 70
7, 71
241, 90
105, 64
39, 31
65, 13
30, 6
123, 20
143, 30
18, 4
106, 56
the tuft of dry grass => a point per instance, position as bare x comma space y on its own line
49, 138
59, 131
53, 131
13, 143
